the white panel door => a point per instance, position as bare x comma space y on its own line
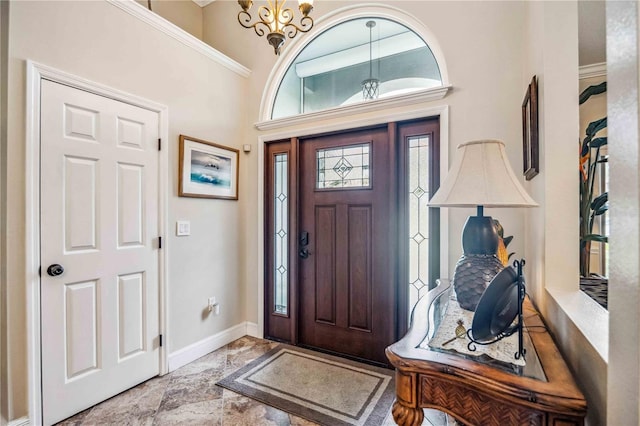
99, 221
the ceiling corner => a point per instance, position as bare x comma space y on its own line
203, 3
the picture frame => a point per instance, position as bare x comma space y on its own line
207, 169
530, 147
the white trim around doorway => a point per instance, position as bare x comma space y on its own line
35, 74
320, 126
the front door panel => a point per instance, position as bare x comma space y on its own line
347, 293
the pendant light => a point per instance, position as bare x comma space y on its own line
371, 85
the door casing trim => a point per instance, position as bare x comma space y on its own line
381, 118
35, 74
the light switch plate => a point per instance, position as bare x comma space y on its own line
183, 227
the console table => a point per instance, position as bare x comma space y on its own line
477, 392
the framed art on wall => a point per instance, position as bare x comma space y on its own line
207, 170
530, 150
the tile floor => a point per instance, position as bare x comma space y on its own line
189, 396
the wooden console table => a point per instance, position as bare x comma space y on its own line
478, 393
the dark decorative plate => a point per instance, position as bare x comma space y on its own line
497, 308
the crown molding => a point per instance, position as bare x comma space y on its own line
159, 23
593, 70
421, 96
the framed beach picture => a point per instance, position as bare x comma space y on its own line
207, 170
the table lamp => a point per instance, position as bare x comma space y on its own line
480, 176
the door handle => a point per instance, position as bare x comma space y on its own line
55, 270
303, 253
304, 238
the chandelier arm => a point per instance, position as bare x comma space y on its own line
306, 23
267, 17
287, 17
260, 31
292, 29
244, 18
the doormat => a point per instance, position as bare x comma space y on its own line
321, 388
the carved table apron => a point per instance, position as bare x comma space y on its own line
480, 393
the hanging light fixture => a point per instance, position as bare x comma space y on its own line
277, 20
371, 85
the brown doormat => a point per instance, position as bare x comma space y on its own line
321, 388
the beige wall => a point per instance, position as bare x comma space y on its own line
183, 13
492, 49
482, 44
222, 31
552, 229
4, 52
100, 42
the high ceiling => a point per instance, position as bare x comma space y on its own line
591, 24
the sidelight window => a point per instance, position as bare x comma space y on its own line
419, 170
281, 232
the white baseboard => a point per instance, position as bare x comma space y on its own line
252, 330
199, 349
22, 421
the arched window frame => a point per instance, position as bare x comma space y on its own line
338, 17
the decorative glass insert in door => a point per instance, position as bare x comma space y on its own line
281, 234
418, 217
343, 167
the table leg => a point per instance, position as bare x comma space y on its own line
406, 416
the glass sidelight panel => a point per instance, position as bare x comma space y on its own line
419, 171
281, 234
343, 167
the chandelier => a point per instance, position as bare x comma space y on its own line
371, 85
277, 20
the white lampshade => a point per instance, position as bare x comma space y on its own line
481, 176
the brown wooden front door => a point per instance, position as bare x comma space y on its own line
350, 244
347, 243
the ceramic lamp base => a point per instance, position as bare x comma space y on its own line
471, 277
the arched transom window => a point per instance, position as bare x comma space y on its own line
332, 69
